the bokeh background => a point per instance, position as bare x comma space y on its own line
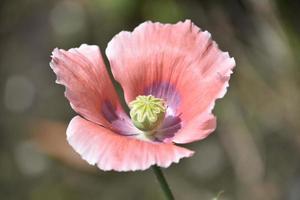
254, 153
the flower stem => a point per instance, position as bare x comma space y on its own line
163, 183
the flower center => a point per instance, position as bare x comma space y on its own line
147, 112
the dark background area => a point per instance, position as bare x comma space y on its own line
253, 154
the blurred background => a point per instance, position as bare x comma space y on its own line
253, 155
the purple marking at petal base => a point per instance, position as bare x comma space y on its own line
120, 122
166, 91
172, 121
169, 127
109, 112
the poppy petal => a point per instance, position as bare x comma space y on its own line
197, 129
109, 151
177, 62
88, 86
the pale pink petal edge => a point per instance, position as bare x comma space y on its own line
109, 151
187, 134
87, 84
198, 129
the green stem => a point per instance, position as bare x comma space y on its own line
163, 183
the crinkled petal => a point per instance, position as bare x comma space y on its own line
88, 86
110, 151
197, 129
177, 62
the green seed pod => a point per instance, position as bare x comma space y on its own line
147, 112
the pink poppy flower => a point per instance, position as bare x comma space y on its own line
171, 75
